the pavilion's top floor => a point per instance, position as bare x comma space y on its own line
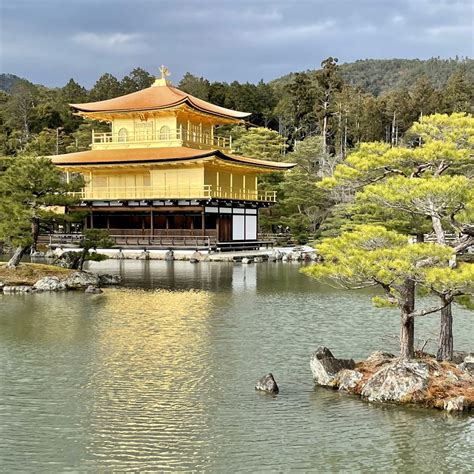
159, 116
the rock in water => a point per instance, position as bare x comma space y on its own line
169, 256
108, 279
456, 404
81, 280
467, 367
145, 255
401, 381
325, 366
347, 379
380, 357
267, 384
461, 356
247, 261
49, 284
196, 257
93, 289
17, 289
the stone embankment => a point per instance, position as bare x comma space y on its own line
281, 254
382, 377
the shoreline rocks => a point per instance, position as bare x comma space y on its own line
384, 378
78, 280
325, 366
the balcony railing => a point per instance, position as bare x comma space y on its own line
184, 192
173, 137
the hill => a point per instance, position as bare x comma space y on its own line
7, 81
378, 76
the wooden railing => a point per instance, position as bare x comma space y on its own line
173, 137
161, 238
173, 192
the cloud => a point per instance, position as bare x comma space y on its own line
398, 20
292, 32
222, 40
111, 42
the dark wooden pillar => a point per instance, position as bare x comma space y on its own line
151, 223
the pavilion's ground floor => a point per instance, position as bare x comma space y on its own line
184, 223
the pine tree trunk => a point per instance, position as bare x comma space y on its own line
407, 323
325, 128
407, 337
438, 230
445, 341
16, 257
35, 230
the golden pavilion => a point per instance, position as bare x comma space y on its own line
163, 170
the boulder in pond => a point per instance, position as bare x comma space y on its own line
93, 289
50, 254
379, 358
145, 255
169, 256
196, 257
325, 366
401, 382
460, 356
78, 280
109, 279
119, 255
267, 384
247, 261
49, 283
456, 404
347, 379
17, 289
468, 367
275, 255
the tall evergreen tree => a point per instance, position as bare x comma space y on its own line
137, 80
107, 87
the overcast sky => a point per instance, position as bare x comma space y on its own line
50, 41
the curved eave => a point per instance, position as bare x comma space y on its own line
200, 105
132, 157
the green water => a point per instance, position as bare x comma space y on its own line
160, 375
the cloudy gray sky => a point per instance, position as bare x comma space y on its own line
50, 41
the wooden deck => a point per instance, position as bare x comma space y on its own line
157, 242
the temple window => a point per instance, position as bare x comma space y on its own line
164, 133
122, 135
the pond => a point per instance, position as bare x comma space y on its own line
159, 375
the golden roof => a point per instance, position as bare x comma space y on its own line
160, 155
159, 96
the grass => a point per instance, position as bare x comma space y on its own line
30, 273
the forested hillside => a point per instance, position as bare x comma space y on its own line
379, 76
339, 103
7, 81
